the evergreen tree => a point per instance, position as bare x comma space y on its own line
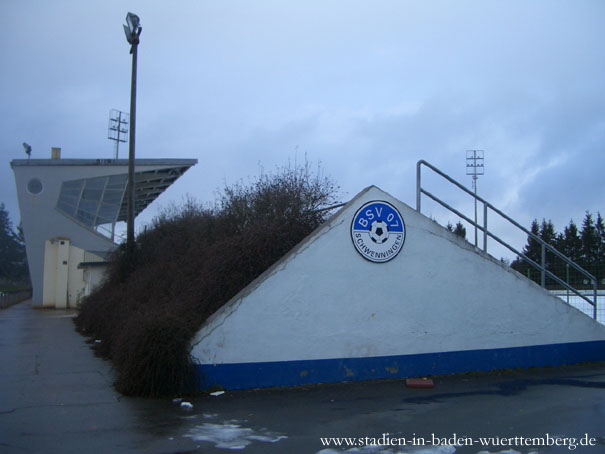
533, 251
548, 235
23, 267
600, 231
600, 251
590, 244
547, 232
569, 242
570, 245
12, 252
459, 230
585, 247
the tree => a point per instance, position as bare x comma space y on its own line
599, 271
533, 251
459, 230
13, 264
569, 242
570, 245
586, 248
23, 266
590, 244
547, 231
548, 235
600, 231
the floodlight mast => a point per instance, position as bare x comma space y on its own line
474, 167
117, 129
132, 31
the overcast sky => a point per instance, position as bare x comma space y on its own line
367, 88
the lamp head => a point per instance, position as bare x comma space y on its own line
28, 149
133, 29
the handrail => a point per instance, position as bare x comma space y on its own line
486, 233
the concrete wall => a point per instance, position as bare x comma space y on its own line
93, 274
324, 313
56, 273
65, 283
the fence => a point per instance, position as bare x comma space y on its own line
580, 304
9, 298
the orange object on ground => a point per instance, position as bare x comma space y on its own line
419, 383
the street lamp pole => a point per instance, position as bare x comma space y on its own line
133, 31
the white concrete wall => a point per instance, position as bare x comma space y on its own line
61, 273
75, 282
93, 278
50, 274
439, 294
64, 282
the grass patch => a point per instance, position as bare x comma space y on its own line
9, 288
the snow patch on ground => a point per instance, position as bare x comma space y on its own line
231, 435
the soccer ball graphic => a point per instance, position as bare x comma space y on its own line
379, 232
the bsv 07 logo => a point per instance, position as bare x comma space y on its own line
378, 231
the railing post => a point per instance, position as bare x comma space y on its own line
484, 227
543, 263
594, 309
567, 279
418, 186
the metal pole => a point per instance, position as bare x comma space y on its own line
594, 311
542, 273
475, 184
567, 279
130, 245
484, 226
418, 171
118, 134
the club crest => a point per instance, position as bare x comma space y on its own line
378, 231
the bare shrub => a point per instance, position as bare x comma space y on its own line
190, 262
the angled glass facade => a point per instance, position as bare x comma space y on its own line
93, 201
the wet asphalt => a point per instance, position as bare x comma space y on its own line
57, 397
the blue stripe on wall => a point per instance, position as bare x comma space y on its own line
293, 373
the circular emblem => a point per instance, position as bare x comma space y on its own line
378, 231
34, 186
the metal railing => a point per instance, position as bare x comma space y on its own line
545, 247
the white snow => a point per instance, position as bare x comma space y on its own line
231, 435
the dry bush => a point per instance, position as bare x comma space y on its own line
190, 262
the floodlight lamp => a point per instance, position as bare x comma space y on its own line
133, 29
28, 149
133, 21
